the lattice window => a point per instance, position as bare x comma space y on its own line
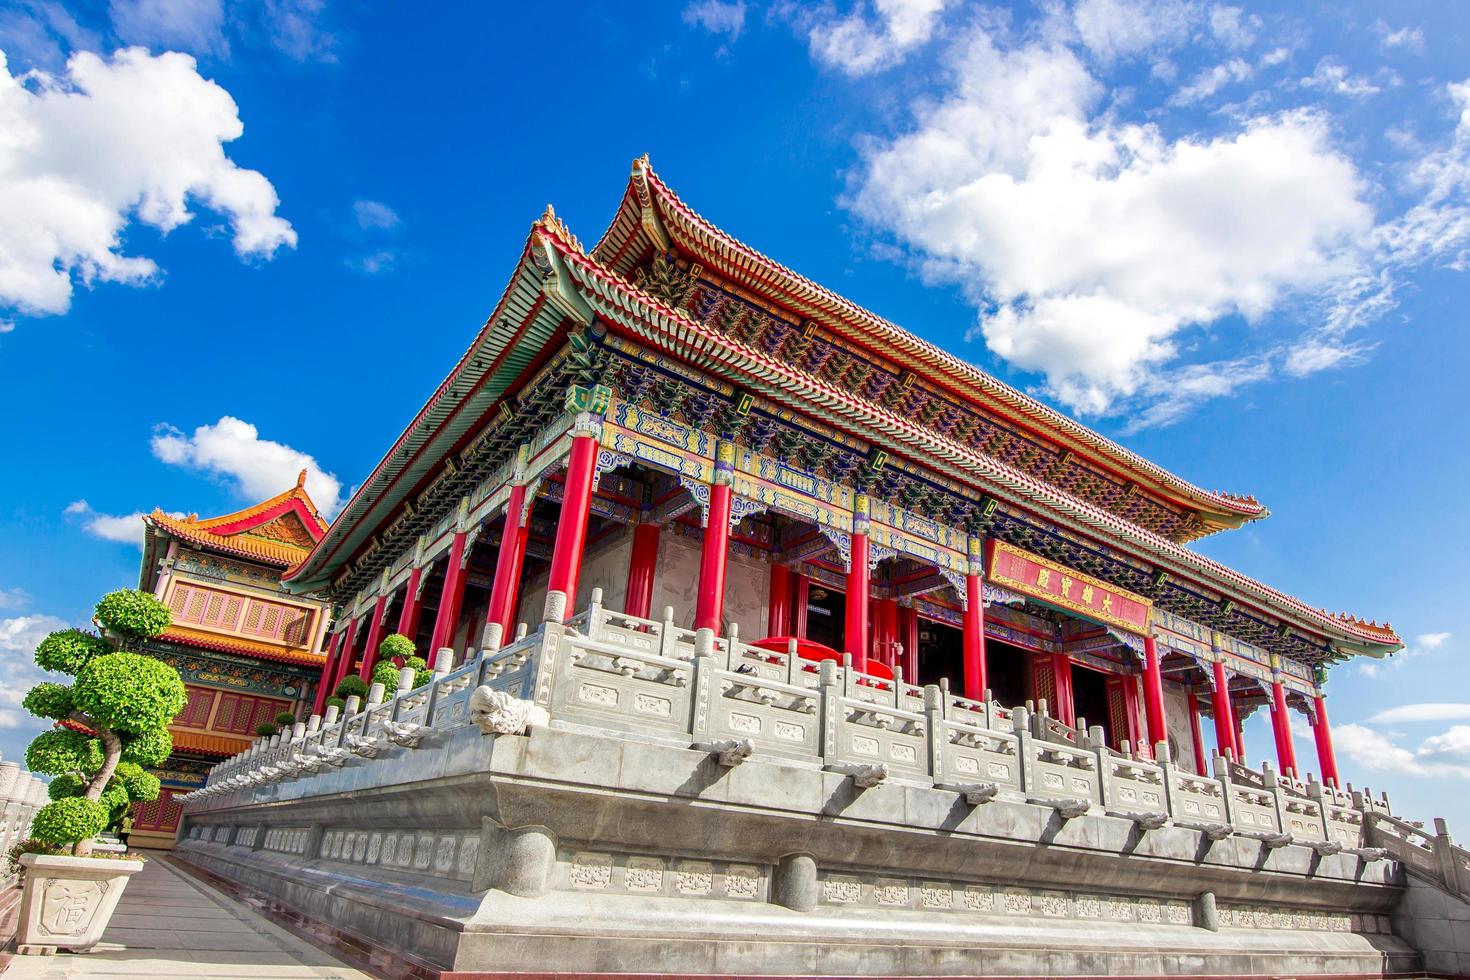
240, 714
200, 606
196, 709
161, 814
276, 621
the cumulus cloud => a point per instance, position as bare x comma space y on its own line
865, 41
296, 29
123, 528
1403, 37
1211, 80
717, 17
1004, 184
196, 26
1444, 755
39, 33
259, 468
134, 138
19, 636
1332, 76
1232, 27
1421, 712
16, 598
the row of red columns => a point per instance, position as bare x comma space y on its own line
892, 624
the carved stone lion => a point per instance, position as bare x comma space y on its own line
501, 713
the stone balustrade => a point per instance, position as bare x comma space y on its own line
21, 795
616, 672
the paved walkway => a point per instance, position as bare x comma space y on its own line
171, 925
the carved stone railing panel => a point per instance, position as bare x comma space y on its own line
1134, 785
621, 688
860, 732
1197, 799
775, 716
1055, 770
965, 754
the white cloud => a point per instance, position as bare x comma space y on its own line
19, 637
1443, 755
260, 468
860, 44
123, 528
1118, 29
375, 215
39, 33
134, 138
1421, 712
1432, 641
295, 29
1404, 37
16, 598
1332, 76
1275, 57
1211, 80
1423, 643
1004, 184
196, 26
1232, 28
374, 263
717, 17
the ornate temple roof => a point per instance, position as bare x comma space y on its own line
652, 219
556, 282
280, 531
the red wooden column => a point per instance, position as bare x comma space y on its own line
1153, 693
413, 596
778, 606
329, 670
452, 595
855, 635
375, 629
798, 614
1066, 708
346, 656
1220, 701
1281, 721
709, 606
512, 550
1197, 737
1133, 719
908, 635
644, 560
576, 511
1239, 735
973, 625
1322, 733
885, 631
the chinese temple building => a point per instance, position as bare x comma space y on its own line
680, 421
245, 648
769, 639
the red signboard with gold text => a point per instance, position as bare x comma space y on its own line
1012, 568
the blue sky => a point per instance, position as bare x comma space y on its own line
236, 239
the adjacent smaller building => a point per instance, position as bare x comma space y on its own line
245, 648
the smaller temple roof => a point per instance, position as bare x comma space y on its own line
280, 531
241, 646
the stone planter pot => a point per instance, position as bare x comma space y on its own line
67, 901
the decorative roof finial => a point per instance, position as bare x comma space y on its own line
301, 479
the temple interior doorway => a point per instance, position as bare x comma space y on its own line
826, 614
1090, 698
1007, 672
941, 654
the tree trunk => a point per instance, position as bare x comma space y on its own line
111, 752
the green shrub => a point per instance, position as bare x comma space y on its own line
266, 729
387, 675
28, 846
286, 719
69, 821
351, 686
114, 798
132, 614
129, 692
67, 784
148, 748
395, 645
62, 750
421, 672
48, 700
141, 785
68, 651
335, 702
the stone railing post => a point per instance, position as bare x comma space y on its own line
1021, 725
934, 719
1222, 773
704, 694
1098, 742
1444, 852
828, 708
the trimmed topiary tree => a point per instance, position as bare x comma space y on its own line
386, 674
116, 711
351, 686
266, 729
395, 646
286, 719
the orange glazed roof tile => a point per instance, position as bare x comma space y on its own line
280, 531
249, 648
208, 744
